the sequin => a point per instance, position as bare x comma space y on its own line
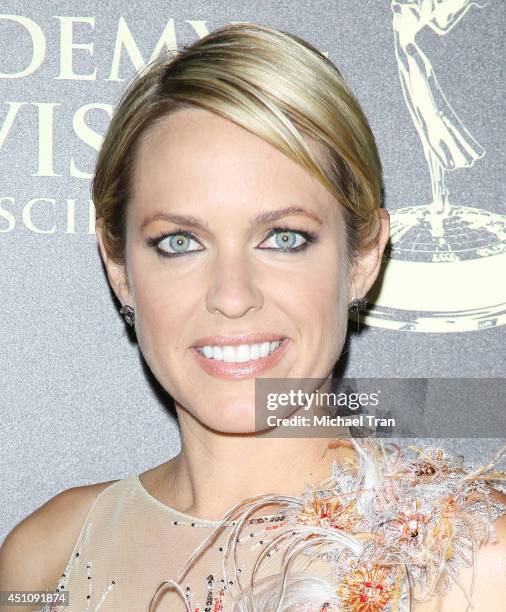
424, 519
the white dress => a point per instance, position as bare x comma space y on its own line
130, 542
387, 523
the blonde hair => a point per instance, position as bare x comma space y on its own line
270, 82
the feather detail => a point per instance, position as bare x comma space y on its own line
378, 535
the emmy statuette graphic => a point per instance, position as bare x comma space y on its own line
447, 259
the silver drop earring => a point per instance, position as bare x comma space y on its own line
356, 305
129, 314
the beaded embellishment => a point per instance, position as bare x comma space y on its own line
394, 526
257, 533
72, 563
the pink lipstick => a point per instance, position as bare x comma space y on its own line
246, 369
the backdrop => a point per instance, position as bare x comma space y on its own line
77, 404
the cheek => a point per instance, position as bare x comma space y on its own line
324, 292
162, 303
326, 300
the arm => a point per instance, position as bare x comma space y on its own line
489, 586
490, 592
35, 553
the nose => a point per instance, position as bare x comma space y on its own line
233, 290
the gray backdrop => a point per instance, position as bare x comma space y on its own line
77, 405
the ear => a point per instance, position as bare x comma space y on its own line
367, 265
116, 272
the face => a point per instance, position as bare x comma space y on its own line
236, 267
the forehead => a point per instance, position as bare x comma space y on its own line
194, 156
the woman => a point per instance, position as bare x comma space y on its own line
238, 216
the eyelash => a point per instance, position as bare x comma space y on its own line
309, 237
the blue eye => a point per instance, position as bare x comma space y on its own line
174, 244
288, 240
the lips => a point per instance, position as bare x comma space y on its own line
247, 369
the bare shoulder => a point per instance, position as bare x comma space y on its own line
489, 584
47, 537
491, 567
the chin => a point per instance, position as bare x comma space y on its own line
237, 418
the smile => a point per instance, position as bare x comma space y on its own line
239, 353
239, 361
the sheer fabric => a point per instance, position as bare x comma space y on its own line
130, 542
389, 527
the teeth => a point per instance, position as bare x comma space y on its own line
239, 353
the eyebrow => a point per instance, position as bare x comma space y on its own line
268, 216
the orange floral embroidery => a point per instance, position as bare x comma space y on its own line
329, 512
366, 590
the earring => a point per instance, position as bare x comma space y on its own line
129, 314
358, 304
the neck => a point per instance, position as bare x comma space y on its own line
214, 471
